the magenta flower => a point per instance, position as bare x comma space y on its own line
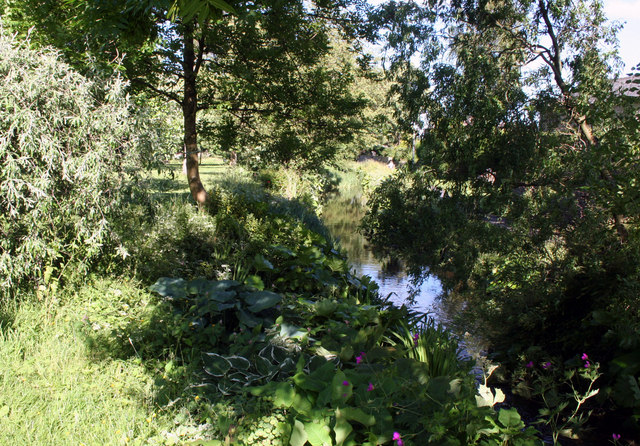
616, 437
546, 365
585, 356
345, 383
397, 439
587, 364
370, 388
415, 339
360, 358
529, 364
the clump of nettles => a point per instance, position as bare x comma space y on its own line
267, 430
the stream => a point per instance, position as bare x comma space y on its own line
342, 219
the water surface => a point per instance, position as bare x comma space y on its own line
343, 217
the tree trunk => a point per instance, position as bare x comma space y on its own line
189, 110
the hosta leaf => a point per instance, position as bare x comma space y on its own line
239, 362
222, 296
261, 300
215, 364
170, 287
264, 366
247, 319
287, 366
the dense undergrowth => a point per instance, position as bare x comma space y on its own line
254, 332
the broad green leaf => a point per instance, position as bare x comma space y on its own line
318, 434
239, 362
339, 391
170, 287
222, 296
342, 428
254, 282
485, 396
291, 331
306, 382
356, 414
284, 395
215, 364
247, 319
510, 418
219, 307
268, 389
263, 366
287, 366
262, 264
298, 434
325, 371
302, 404
197, 286
261, 300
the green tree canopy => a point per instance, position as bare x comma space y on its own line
247, 58
524, 201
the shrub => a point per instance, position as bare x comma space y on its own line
70, 152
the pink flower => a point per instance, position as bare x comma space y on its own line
370, 388
616, 437
397, 439
360, 357
587, 364
585, 356
546, 365
529, 364
345, 383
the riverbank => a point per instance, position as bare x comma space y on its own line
258, 334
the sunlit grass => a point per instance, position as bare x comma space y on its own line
54, 390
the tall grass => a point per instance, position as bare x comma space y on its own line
55, 389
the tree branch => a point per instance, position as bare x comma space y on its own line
157, 91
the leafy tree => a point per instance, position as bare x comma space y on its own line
252, 58
523, 203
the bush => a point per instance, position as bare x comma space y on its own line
70, 153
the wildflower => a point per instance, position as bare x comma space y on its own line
529, 364
415, 339
587, 364
397, 439
546, 365
345, 383
370, 388
360, 358
585, 356
616, 437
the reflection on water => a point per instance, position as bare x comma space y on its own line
342, 218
